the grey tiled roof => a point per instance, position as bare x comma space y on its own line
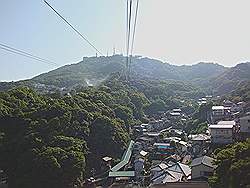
208, 161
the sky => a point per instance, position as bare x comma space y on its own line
174, 31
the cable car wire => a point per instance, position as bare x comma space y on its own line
83, 37
11, 49
25, 55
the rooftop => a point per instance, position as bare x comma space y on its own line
220, 126
245, 117
176, 110
175, 113
122, 174
208, 161
153, 134
143, 153
199, 137
107, 158
189, 184
226, 123
125, 159
218, 108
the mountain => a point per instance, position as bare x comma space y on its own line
232, 79
94, 70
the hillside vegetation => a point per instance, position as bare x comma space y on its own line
53, 141
94, 70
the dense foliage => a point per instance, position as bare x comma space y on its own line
51, 141
233, 166
199, 121
54, 140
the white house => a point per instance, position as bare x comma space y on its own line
221, 134
218, 110
202, 167
227, 123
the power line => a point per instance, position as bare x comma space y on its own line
26, 54
84, 38
129, 15
133, 38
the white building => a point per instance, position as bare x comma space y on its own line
218, 110
221, 134
227, 123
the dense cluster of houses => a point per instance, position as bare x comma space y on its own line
229, 123
161, 154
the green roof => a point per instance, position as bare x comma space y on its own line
122, 174
126, 157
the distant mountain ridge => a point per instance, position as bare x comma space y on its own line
94, 70
232, 79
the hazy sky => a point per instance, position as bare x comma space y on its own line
175, 31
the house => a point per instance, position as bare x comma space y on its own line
167, 177
199, 138
245, 126
202, 168
143, 153
163, 148
221, 134
218, 111
183, 145
156, 124
144, 142
175, 114
177, 110
181, 168
188, 184
166, 172
228, 103
139, 166
227, 123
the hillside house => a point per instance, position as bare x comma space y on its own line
222, 134
139, 167
218, 113
245, 127
202, 168
167, 172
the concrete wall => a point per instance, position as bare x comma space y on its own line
222, 136
198, 171
245, 124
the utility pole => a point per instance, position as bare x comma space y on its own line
113, 50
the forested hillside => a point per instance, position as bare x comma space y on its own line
94, 70
233, 79
213, 78
53, 141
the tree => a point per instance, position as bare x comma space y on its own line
233, 164
155, 106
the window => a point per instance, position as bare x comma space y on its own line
207, 173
